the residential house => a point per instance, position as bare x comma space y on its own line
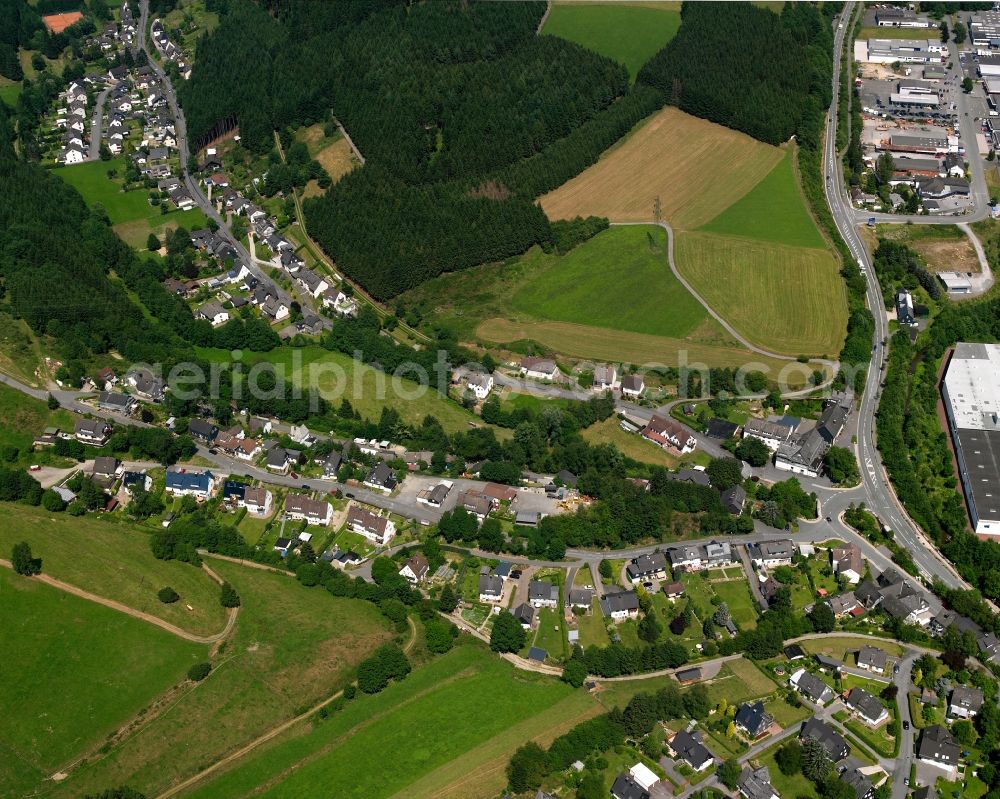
965, 702
94, 432
480, 384
145, 384
234, 493
644, 776
620, 605
605, 378
581, 598
117, 403
202, 430
733, 499
803, 455
105, 467
131, 480
246, 449
871, 658
756, 784
688, 746
278, 460
721, 429
848, 562
214, 313
686, 557
476, 503
673, 590
669, 434
311, 282
811, 687
377, 529
303, 508
904, 308
859, 782
845, 604
820, 731
827, 663
415, 569
753, 720
542, 594
768, 554
773, 434
646, 567
719, 555
626, 787
381, 478
258, 501
633, 386
866, 707
490, 588
183, 482
938, 747
539, 368
525, 614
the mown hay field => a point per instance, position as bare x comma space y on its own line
696, 168
785, 299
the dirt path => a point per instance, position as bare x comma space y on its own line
138, 614
271, 734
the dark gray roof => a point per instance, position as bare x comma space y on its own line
524, 613
625, 787
865, 703
538, 589
617, 602
689, 747
756, 783
753, 718
647, 564
939, 745
970, 699
537, 654
490, 584
826, 735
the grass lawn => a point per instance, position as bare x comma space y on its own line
23, 417
75, 671
21, 351
630, 35
877, 739
292, 646
784, 713
338, 376
736, 594
699, 591
619, 279
136, 232
112, 559
592, 629
551, 634
791, 785
773, 210
347, 539
695, 167
345, 756
845, 647
738, 681
10, 91
631, 445
791, 299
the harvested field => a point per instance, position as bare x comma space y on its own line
696, 168
334, 154
789, 299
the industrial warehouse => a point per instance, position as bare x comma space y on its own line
971, 392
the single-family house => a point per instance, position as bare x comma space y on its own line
415, 569
938, 747
769, 554
626, 787
581, 598
476, 503
105, 467
848, 562
278, 460
620, 605
820, 731
214, 313
673, 590
752, 720
871, 658
132, 480
480, 384
605, 378
811, 687
965, 702
647, 567
94, 432
258, 501
756, 784
688, 746
866, 707
772, 434
525, 614
381, 478
733, 499
490, 588
303, 508
116, 403
542, 594
539, 368
633, 386
377, 529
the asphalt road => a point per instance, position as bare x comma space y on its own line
97, 126
877, 493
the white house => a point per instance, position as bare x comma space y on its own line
258, 501
605, 378
539, 368
480, 385
214, 313
312, 511
181, 482
377, 529
633, 386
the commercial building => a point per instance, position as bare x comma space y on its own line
971, 392
984, 29
905, 51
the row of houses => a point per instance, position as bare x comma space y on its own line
168, 50
605, 376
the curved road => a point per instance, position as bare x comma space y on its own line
833, 365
